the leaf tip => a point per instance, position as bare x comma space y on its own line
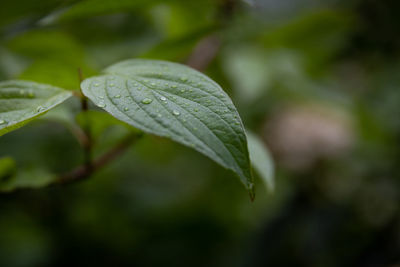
252, 193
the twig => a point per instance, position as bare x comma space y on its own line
82, 172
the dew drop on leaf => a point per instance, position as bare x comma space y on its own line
163, 98
147, 101
2, 122
176, 113
117, 96
39, 109
101, 105
126, 109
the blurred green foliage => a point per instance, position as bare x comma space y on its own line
317, 80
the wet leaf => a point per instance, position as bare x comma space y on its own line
177, 102
22, 101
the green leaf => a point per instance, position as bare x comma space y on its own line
22, 101
7, 168
54, 55
34, 177
31, 177
174, 101
261, 159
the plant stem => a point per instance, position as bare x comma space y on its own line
82, 172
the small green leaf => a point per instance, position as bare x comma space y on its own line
34, 177
174, 101
261, 160
7, 168
22, 101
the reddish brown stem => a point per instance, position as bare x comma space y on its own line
82, 172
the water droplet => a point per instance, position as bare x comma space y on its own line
101, 97
173, 86
2, 122
147, 101
39, 109
146, 81
101, 104
174, 98
153, 84
96, 84
163, 98
236, 123
195, 110
135, 84
183, 90
117, 96
21, 92
176, 113
126, 109
31, 94
190, 90
221, 94
184, 120
139, 88
112, 84
184, 78
159, 115
195, 129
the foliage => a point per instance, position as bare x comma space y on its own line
315, 84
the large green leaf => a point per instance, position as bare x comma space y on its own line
174, 101
22, 101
